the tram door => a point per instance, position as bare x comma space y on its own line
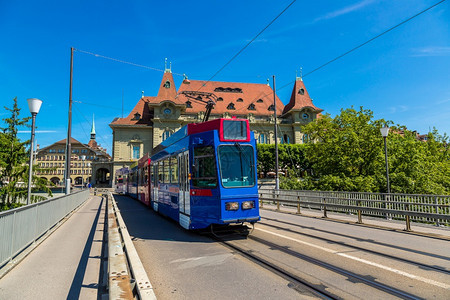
184, 197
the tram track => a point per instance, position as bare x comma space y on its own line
328, 240
319, 290
296, 282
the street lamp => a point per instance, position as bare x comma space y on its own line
34, 105
384, 132
83, 158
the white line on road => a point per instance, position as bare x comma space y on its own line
426, 280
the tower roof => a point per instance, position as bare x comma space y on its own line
93, 125
300, 98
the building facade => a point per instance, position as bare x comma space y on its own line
153, 119
84, 162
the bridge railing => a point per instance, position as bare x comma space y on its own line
21, 227
408, 207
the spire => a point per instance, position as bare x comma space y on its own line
167, 70
301, 75
93, 128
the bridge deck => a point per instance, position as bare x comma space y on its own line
67, 264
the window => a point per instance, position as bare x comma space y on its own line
234, 130
167, 84
286, 139
259, 101
188, 104
136, 152
251, 107
136, 117
220, 99
271, 107
204, 168
173, 170
305, 138
237, 167
230, 106
301, 91
262, 139
166, 134
240, 100
166, 171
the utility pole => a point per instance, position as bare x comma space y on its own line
69, 129
277, 179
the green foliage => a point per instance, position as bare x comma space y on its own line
348, 155
14, 159
290, 157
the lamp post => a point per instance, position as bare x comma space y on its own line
83, 158
384, 132
34, 105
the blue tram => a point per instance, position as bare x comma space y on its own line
203, 175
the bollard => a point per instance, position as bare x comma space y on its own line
408, 219
278, 203
359, 213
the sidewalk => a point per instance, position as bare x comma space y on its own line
67, 265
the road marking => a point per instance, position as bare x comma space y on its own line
426, 280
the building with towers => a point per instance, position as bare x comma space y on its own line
85, 160
153, 119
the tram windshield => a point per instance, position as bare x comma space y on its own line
237, 167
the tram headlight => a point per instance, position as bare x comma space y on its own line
248, 204
231, 206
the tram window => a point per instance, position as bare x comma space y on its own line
160, 172
235, 130
173, 170
204, 168
237, 167
166, 171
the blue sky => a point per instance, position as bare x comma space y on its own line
404, 76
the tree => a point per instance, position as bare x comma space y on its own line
348, 155
290, 157
14, 162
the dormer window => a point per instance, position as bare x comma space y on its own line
188, 104
137, 116
251, 107
271, 108
230, 106
167, 84
228, 90
301, 91
220, 99
240, 100
259, 101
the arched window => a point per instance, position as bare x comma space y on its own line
166, 134
240, 100
305, 138
301, 91
259, 101
167, 84
262, 139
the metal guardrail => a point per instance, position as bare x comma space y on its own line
126, 275
21, 227
433, 209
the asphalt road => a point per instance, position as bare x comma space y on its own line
186, 265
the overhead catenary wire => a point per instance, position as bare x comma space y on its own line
354, 48
248, 44
124, 62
